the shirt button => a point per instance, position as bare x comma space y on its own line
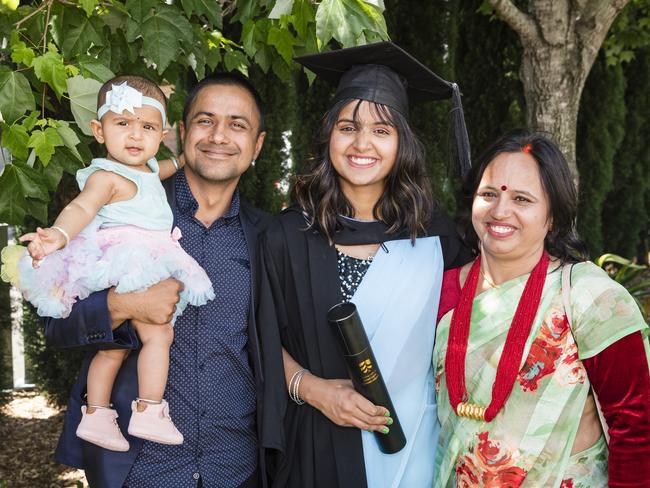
202, 413
196, 476
201, 367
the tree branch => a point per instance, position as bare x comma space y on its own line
518, 21
596, 17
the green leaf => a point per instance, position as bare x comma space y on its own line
379, 4
12, 200
140, 9
31, 120
49, 69
31, 182
281, 69
16, 96
78, 39
20, 53
162, 33
303, 14
15, 138
210, 9
69, 138
236, 60
10, 4
64, 159
83, 101
213, 58
52, 175
263, 57
248, 37
37, 210
44, 142
281, 7
88, 6
246, 9
283, 42
345, 21
91, 68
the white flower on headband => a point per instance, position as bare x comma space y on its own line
123, 97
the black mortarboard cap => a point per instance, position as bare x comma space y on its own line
386, 74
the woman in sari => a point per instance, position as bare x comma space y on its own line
516, 378
365, 230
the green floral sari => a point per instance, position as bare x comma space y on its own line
529, 442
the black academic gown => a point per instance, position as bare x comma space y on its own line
299, 285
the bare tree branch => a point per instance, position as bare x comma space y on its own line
518, 21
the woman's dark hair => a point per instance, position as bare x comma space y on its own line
562, 241
406, 203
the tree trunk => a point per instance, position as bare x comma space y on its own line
552, 89
560, 39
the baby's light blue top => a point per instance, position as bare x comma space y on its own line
148, 209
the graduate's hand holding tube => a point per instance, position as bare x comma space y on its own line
338, 400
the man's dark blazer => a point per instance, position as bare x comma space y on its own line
89, 326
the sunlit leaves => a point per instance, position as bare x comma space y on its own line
58, 58
44, 143
347, 20
49, 69
20, 53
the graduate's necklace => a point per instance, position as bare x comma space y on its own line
512, 350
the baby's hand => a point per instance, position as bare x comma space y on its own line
43, 242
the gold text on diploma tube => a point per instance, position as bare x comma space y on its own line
368, 370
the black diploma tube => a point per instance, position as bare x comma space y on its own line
364, 371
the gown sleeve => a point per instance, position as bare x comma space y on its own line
270, 317
620, 376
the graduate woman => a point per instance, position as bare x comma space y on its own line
364, 229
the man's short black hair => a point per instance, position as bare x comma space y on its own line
233, 78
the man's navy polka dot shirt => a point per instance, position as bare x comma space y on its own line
211, 389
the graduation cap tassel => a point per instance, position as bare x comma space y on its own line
460, 145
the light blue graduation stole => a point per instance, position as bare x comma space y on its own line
398, 304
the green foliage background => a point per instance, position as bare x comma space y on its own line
57, 52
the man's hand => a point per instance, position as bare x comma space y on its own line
43, 242
155, 305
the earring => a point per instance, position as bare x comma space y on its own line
252, 162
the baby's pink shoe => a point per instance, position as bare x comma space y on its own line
154, 424
100, 428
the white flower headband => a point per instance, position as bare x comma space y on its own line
124, 97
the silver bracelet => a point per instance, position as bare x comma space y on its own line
62, 231
294, 386
175, 162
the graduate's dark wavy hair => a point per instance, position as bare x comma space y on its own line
562, 241
406, 204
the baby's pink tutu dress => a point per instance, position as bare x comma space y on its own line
130, 245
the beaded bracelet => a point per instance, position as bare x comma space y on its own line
294, 385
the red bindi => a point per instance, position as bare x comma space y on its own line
504, 187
